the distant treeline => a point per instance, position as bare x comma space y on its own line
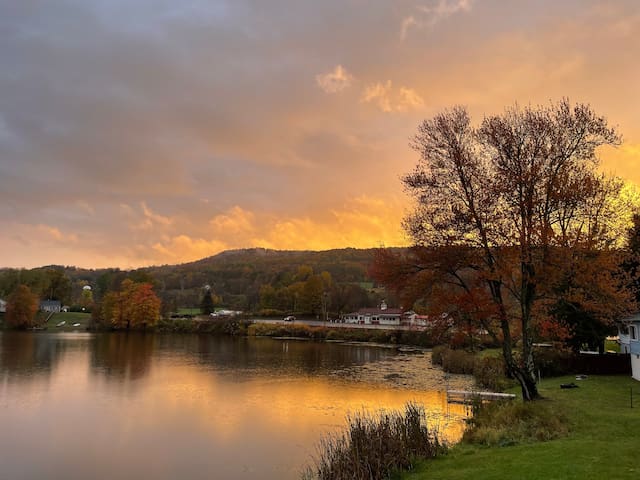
252, 280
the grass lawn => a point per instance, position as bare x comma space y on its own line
188, 311
70, 318
602, 442
611, 345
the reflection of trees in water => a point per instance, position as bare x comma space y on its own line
26, 354
122, 356
279, 356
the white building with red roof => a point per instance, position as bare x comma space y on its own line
375, 316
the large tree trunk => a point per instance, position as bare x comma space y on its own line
523, 372
527, 382
527, 374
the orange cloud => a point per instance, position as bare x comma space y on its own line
389, 100
335, 81
362, 222
623, 161
183, 248
235, 221
54, 233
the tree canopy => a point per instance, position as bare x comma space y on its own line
133, 306
22, 306
516, 202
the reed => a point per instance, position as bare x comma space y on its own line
373, 447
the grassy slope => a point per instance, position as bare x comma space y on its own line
71, 318
603, 442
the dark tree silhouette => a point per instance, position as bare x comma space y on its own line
206, 305
520, 190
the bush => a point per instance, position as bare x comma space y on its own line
287, 330
375, 447
222, 326
421, 338
436, 354
458, 361
511, 422
490, 373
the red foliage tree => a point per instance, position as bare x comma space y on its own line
134, 306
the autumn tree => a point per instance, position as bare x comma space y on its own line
519, 191
145, 306
22, 306
134, 305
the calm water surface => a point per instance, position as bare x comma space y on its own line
127, 406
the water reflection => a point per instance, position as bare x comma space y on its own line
122, 356
197, 407
25, 354
250, 356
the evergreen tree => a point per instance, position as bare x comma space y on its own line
206, 305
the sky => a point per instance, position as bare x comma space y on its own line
147, 132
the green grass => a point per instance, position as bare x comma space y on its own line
612, 345
188, 311
602, 441
70, 318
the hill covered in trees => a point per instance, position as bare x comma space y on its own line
255, 280
269, 280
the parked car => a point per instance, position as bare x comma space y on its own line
289, 318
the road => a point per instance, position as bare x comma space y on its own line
319, 323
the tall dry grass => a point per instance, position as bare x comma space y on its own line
375, 446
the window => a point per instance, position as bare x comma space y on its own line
632, 332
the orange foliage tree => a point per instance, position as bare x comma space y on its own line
22, 306
134, 306
515, 195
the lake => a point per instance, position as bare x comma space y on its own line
129, 406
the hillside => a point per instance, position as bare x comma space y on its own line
236, 278
238, 275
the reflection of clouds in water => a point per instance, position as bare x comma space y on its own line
416, 375
200, 407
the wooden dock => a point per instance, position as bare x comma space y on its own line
467, 397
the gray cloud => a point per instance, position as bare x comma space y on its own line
195, 108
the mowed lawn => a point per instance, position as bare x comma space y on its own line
70, 318
604, 441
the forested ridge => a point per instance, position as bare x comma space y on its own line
236, 279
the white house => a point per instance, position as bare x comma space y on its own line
629, 338
50, 306
375, 316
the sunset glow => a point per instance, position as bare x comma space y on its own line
144, 132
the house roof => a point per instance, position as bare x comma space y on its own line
51, 303
379, 311
632, 319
